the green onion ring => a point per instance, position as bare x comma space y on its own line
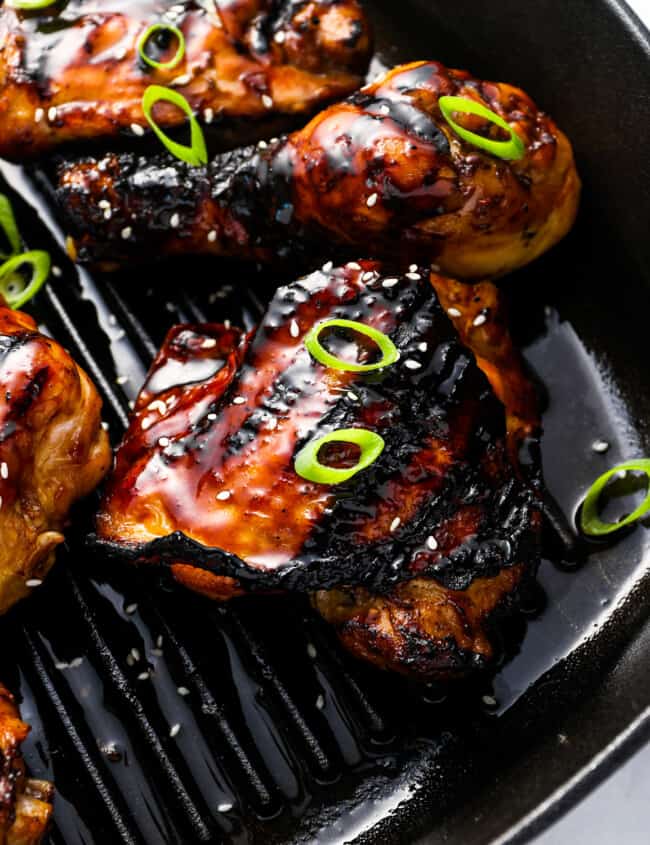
40, 262
8, 225
29, 5
162, 27
590, 522
509, 150
196, 153
390, 353
310, 468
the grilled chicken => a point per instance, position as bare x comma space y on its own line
382, 171
73, 72
413, 558
25, 807
52, 449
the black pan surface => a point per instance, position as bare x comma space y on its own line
281, 737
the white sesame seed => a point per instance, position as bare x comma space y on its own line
389, 283
414, 276
164, 442
413, 268
372, 199
225, 494
108, 213
294, 329
329, 265
51, 114
34, 582
599, 446
157, 405
453, 312
353, 265
224, 808
143, 676
320, 702
121, 380
352, 396
159, 641
384, 109
279, 37
38, 115
60, 665
4, 470
311, 650
57, 271
238, 400
395, 524
479, 320
212, 417
368, 276
184, 79
212, 236
489, 701
174, 220
126, 233
267, 101
208, 343
183, 691
135, 654
226, 324
432, 543
76, 662
137, 129
411, 364
146, 423
262, 145
208, 115
105, 425
131, 404
129, 660
423, 346
174, 730
131, 608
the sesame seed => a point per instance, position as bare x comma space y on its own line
262, 145
137, 130
225, 494
279, 37
143, 676
489, 701
432, 543
212, 236
51, 114
389, 283
453, 312
353, 265
174, 730
159, 641
38, 115
184, 79
395, 524
135, 654
329, 265
599, 446
384, 109
226, 324
411, 364
212, 417
372, 200
76, 662
368, 276
413, 268
126, 233
209, 343
238, 400
4, 470
174, 220
108, 214
311, 650
224, 808
157, 405
294, 329
34, 582
423, 346
164, 442
208, 115
267, 101
478, 321
105, 425
129, 660
352, 396
414, 276
60, 665
146, 423
121, 380
57, 271
320, 702
131, 608
183, 691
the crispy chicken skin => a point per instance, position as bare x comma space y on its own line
52, 449
411, 560
73, 73
382, 172
25, 807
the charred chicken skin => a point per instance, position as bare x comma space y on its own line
25, 807
382, 171
74, 73
412, 559
53, 449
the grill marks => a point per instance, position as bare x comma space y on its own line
210, 480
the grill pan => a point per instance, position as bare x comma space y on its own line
163, 718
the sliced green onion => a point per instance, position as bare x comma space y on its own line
12, 285
590, 522
8, 224
309, 467
28, 5
509, 150
389, 352
196, 153
152, 30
